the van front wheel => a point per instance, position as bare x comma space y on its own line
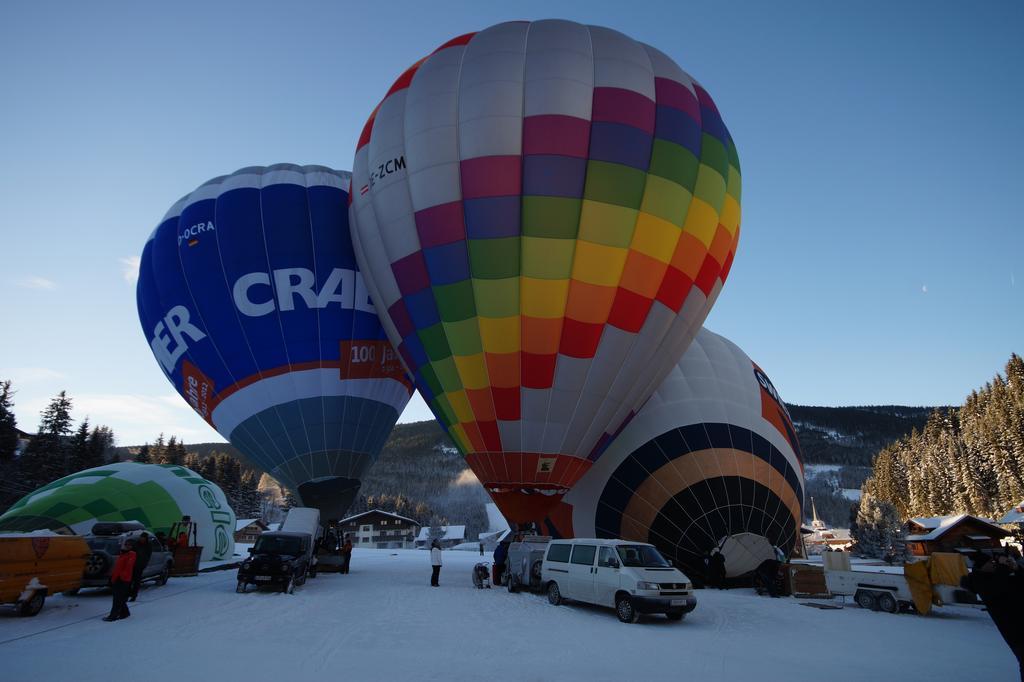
554, 595
625, 610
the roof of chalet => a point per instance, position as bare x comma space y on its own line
1015, 515
450, 533
243, 523
350, 519
937, 526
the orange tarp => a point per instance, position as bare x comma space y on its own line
920, 585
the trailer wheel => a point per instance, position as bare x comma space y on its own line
887, 602
865, 600
33, 605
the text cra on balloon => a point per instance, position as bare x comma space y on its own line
190, 235
260, 293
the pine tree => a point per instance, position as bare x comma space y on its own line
101, 446
144, 456
249, 497
8, 423
156, 451
79, 447
180, 453
47, 456
191, 461
877, 526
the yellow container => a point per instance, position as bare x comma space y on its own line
32, 567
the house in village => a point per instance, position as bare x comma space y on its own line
22, 442
820, 538
449, 536
961, 533
247, 530
380, 530
1015, 520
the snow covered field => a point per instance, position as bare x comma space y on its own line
384, 622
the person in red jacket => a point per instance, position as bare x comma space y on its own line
346, 554
121, 582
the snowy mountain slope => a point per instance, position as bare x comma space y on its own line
384, 622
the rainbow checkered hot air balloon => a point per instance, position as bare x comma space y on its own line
545, 213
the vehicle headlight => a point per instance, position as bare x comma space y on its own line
642, 585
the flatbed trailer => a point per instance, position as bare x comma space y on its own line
894, 592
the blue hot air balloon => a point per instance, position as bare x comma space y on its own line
251, 300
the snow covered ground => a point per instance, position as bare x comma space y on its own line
384, 622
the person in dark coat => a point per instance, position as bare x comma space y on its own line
435, 562
767, 576
1000, 585
716, 569
346, 554
121, 582
143, 553
500, 557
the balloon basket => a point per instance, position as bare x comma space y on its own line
186, 561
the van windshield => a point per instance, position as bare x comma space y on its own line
642, 556
278, 544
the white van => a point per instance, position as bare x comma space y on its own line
631, 577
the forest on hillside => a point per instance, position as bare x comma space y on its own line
419, 472
968, 459
852, 435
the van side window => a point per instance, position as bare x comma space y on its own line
605, 557
559, 553
583, 554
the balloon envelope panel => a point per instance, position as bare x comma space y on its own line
546, 212
713, 454
253, 305
156, 495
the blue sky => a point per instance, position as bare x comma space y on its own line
880, 143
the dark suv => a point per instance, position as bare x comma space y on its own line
105, 543
279, 559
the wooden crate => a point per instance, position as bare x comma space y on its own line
805, 580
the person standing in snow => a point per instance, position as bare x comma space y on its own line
121, 582
716, 569
143, 553
346, 554
1000, 585
435, 562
